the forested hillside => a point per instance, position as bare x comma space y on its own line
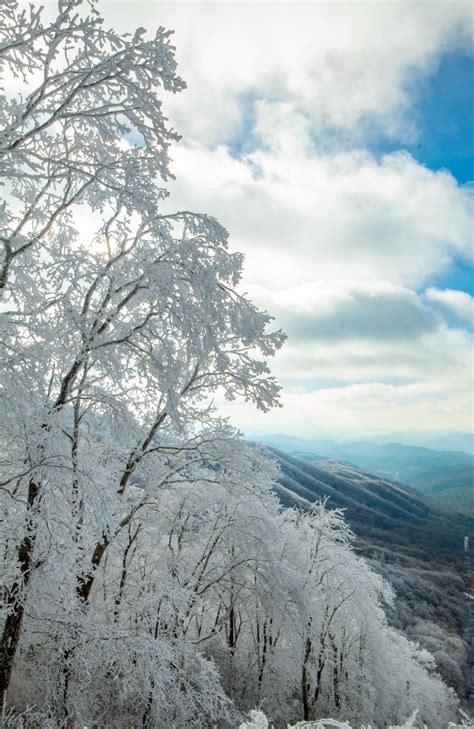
416, 544
446, 476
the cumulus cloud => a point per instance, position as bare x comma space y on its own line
308, 215
281, 100
359, 380
345, 311
342, 63
459, 303
364, 408
442, 354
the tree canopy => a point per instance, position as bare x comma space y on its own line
149, 575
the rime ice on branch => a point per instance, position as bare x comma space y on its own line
149, 574
112, 342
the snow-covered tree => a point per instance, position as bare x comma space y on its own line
149, 575
84, 125
113, 342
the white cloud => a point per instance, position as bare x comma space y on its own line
281, 97
342, 63
363, 409
309, 216
344, 311
459, 303
438, 355
358, 381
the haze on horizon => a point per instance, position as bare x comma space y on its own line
334, 141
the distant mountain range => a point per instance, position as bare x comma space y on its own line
446, 476
385, 514
414, 542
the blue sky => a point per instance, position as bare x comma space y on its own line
445, 119
443, 111
334, 141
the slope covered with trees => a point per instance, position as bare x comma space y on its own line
446, 476
409, 539
150, 576
386, 511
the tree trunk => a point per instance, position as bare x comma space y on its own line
305, 680
85, 584
15, 602
123, 574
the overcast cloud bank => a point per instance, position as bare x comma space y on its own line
345, 243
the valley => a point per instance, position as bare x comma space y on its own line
415, 543
447, 476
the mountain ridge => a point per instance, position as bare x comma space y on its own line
374, 503
447, 476
415, 543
